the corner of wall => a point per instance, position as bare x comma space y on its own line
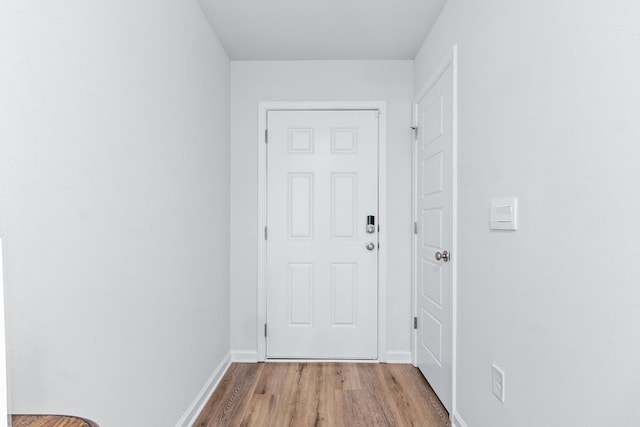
457, 421
201, 399
399, 357
244, 356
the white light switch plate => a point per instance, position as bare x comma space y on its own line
503, 214
497, 382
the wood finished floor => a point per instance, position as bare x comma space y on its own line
323, 394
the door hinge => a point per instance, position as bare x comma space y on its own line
265, 330
415, 323
266, 136
415, 131
265, 232
378, 113
415, 227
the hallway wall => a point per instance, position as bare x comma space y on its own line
549, 112
254, 81
114, 192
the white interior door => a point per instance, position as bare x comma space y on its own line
322, 262
434, 166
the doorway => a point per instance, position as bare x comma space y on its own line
322, 290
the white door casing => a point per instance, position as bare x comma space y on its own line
321, 279
263, 108
434, 180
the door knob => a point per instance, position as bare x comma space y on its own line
442, 256
371, 246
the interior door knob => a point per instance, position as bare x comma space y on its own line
442, 256
371, 246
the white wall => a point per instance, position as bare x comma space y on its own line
114, 190
254, 81
549, 112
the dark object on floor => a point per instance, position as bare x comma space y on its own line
50, 421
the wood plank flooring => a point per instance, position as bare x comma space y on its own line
323, 394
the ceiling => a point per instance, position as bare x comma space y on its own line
321, 29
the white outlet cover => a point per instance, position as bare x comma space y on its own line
497, 382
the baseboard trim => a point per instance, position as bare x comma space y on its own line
322, 361
399, 357
457, 421
244, 356
203, 397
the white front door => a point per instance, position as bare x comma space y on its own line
322, 261
434, 166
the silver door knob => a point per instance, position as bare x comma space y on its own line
371, 246
442, 256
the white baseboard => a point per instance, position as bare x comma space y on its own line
244, 356
399, 357
322, 361
457, 421
248, 356
202, 398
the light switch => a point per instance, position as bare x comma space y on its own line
503, 214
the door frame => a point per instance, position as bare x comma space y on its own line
450, 59
263, 108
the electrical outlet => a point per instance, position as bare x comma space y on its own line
497, 382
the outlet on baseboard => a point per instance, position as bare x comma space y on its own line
497, 382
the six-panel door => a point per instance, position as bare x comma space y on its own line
322, 183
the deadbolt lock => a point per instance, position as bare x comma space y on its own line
371, 224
